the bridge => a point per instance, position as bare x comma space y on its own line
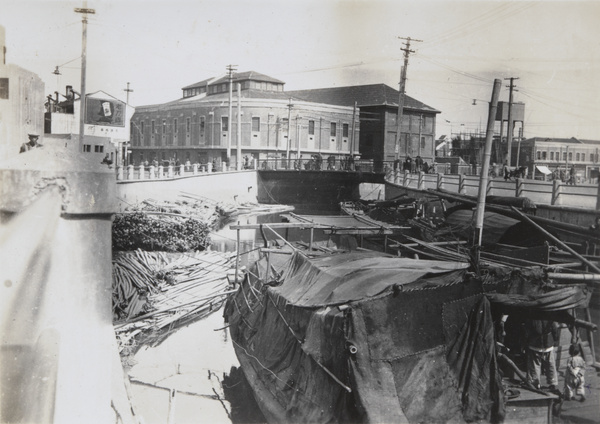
266, 185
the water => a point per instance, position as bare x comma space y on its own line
197, 359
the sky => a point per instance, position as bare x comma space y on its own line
160, 46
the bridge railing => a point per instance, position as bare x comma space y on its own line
542, 192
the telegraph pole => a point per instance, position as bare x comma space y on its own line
84, 11
287, 149
509, 134
407, 51
128, 90
230, 69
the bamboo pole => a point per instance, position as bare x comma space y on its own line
578, 277
557, 241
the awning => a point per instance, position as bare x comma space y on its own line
543, 169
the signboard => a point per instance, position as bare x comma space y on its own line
106, 112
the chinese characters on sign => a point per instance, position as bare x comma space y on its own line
105, 112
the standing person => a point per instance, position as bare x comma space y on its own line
31, 144
418, 163
572, 175
506, 171
575, 375
542, 336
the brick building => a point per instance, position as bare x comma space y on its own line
378, 113
274, 125
559, 154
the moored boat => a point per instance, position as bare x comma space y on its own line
367, 337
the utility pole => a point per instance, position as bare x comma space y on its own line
239, 127
407, 51
352, 141
485, 166
230, 69
509, 130
287, 149
128, 90
84, 11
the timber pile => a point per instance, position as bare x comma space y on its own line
155, 293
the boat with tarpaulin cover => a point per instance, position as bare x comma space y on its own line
364, 336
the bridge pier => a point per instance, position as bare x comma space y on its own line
58, 351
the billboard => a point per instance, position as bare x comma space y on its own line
106, 112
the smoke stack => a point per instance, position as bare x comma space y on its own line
69, 94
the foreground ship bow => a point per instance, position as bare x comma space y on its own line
367, 337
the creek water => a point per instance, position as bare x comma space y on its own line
181, 381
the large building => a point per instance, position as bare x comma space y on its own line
378, 106
260, 121
106, 123
21, 104
541, 154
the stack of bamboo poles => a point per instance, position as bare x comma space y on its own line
155, 293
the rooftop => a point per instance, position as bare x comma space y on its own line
364, 95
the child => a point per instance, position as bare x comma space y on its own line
574, 376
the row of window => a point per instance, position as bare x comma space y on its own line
579, 157
225, 126
97, 148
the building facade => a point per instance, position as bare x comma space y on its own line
21, 105
261, 121
558, 155
378, 114
106, 123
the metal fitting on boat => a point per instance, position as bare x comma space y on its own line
353, 349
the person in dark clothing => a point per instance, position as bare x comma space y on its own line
31, 144
541, 339
418, 163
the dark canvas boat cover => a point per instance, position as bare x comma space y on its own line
366, 337
337, 279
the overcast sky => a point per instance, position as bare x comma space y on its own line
160, 46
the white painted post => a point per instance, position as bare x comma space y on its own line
161, 172
152, 176
181, 170
555, 192
130, 171
141, 176
519, 187
119, 173
421, 185
195, 169
170, 171
461, 184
